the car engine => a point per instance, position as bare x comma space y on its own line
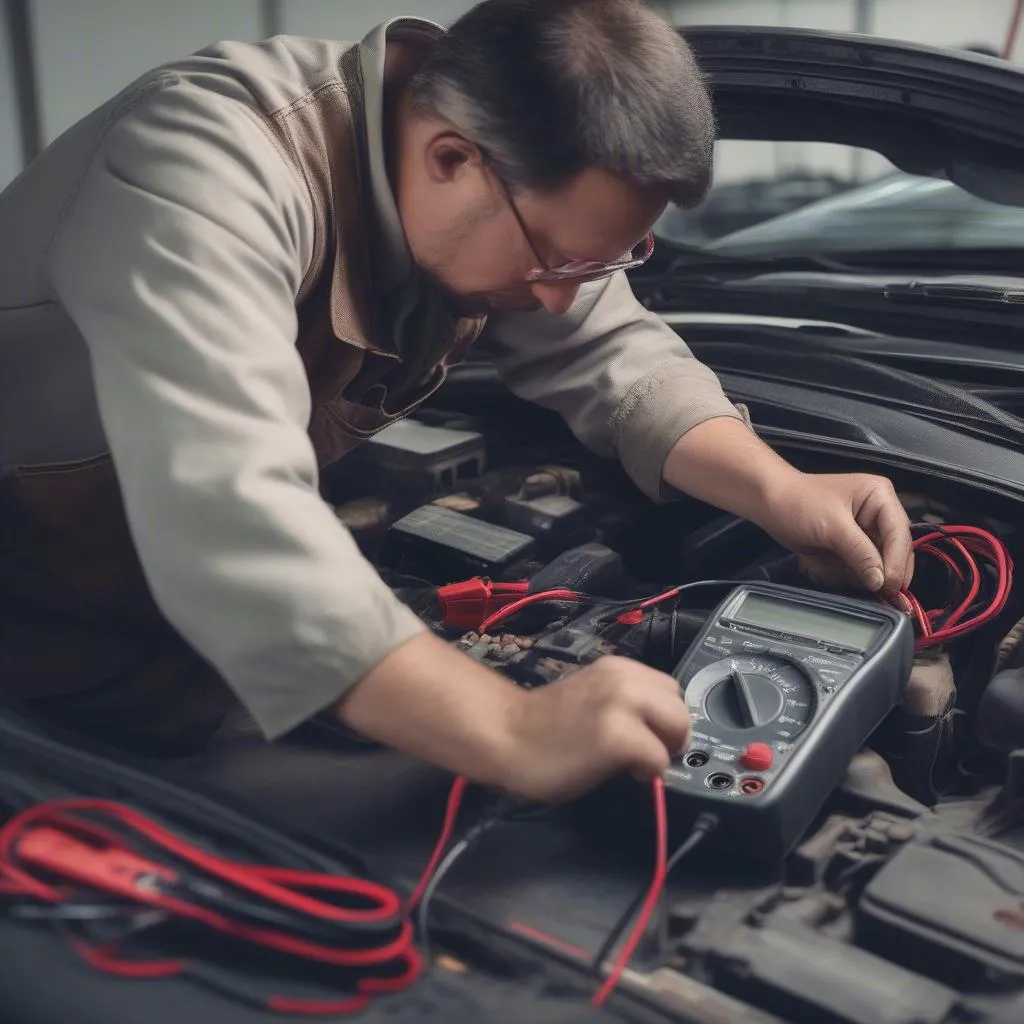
905, 903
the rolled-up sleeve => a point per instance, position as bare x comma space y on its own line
180, 261
623, 380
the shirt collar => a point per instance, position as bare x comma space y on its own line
392, 260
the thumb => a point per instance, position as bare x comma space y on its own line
857, 551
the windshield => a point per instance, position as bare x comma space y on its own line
819, 199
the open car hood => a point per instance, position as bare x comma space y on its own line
931, 112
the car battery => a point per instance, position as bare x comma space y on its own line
440, 545
547, 516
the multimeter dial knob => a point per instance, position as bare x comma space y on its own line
762, 697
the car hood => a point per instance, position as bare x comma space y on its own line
951, 114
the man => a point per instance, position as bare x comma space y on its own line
256, 257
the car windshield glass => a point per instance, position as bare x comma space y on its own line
818, 199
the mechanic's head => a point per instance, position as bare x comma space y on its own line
544, 133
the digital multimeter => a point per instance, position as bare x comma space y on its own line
784, 686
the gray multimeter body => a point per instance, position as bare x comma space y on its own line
784, 686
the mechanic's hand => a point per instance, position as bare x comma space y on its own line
849, 529
612, 716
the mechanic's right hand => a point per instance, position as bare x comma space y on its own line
612, 716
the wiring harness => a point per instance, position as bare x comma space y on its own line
978, 577
978, 582
97, 867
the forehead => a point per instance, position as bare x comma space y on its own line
596, 217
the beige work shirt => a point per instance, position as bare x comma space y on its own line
150, 262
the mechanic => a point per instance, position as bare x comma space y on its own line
253, 258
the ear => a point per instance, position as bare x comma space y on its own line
449, 156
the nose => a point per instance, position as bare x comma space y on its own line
555, 298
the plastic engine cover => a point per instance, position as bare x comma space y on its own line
951, 908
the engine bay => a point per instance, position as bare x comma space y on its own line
903, 902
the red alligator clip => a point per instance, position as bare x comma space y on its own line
467, 604
111, 869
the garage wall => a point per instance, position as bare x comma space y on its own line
10, 140
336, 19
935, 22
836, 15
89, 51
947, 22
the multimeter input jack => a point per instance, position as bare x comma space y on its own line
751, 786
696, 759
719, 781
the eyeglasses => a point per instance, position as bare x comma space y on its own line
578, 271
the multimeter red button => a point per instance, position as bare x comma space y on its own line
757, 757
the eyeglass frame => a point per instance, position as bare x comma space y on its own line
577, 271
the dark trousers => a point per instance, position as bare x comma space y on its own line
82, 642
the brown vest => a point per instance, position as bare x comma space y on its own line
76, 612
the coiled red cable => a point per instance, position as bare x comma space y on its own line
78, 850
972, 556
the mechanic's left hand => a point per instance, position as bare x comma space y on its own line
848, 528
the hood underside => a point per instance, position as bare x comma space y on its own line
945, 114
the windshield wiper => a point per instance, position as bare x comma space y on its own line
986, 295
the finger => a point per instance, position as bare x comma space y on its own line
626, 743
857, 551
650, 760
908, 573
892, 529
668, 717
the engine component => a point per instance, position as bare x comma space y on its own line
1010, 653
974, 941
551, 481
458, 502
367, 519
690, 1000
415, 461
835, 855
516, 657
660, 639
465, 605
869, 778
797, 972
1000, 719
589, 569
440, 545
915, 733
577, 642
551, 517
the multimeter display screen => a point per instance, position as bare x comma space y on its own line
804, 620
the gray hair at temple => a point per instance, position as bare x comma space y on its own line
549, 88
